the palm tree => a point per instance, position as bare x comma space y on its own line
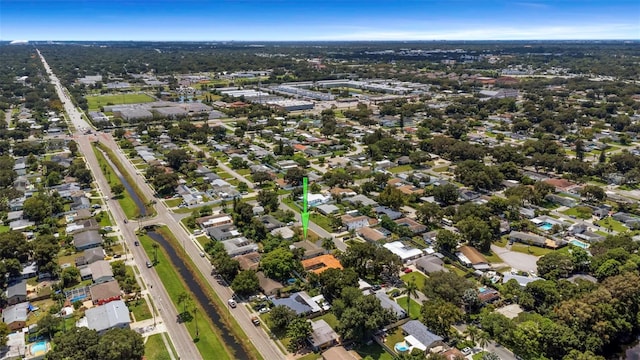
183, 298
472, 332
195, 318
155, 247
483, 339
411, 289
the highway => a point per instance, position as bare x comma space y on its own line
180, 337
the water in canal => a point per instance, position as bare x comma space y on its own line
192, 285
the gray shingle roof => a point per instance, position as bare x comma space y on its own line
420, 332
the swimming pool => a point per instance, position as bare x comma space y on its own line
402, 346
578, 243
545, 226
39, 348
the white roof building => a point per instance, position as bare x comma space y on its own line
403, 251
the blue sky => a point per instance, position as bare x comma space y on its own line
318, 20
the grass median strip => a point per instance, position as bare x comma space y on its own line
209, 344
126, 202
114, 159
220, 304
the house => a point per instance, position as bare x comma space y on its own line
300, 302
391, 305
430, 264
15, 316
311, 250
223, 232
413, 225
285, 232
563, 185
336, 192
20, 224
16, 292
390, 213
317, 199
322, 335
340, 353
522, 280
214, 220
270, 222
321, 263
87, 240
90, 256
532, 239
470, 256
238, 246
269, 286
370, 234
419, 336
453, 354
630, 221
249, 261
562, 200
362, 200
114, 314
404, 252
105, 292
327, 209
29, 270
101, 271
355, 222
80, 202
488, 295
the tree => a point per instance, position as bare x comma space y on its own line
176, 158
155, 247
447, 286
439, 315
447, 241
429, 213
332, 281
70, 276
298, 330
49, 324
246, 283
237, 162
368, 259
484, 339
281, 316
117, 189
184, 298
360, 315
261, 177
279, 263
411, 289
165, 183
392, 197
294, 176
471, 332
4, 331
555, 265
593, 193
268, 199
243, 187
476, 232
118, 344
83, 343
446, 194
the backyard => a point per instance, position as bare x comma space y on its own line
416, 277
155, 349
414, 311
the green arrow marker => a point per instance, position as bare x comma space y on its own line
305, 211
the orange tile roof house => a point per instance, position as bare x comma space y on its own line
563, 185
321, 263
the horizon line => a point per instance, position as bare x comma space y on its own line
342, 40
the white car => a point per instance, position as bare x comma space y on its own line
264, 310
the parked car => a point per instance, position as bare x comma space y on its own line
407, 270
466, 351
264, 310
232, 303
149, 264
255, 321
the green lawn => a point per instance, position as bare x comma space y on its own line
321, 221
613, 224
209, 344
330, 318
243, 172
154, 348
416, 277
203, 240
375, 351
4, 228
479, 355
414, 311
140, 309
399, 169
530, 249
95, 102
441, 169
576, 213
311, 356
173, 202
492, 257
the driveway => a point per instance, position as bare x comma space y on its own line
516, 260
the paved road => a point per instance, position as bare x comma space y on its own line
516, 260
180, 337
183, 342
